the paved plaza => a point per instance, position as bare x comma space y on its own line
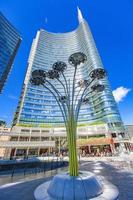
117, 171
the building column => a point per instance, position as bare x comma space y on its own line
7, 153
38, 151
27, 152
112, 149
15, 152
59, 145
49, 150
89, 148
127, 147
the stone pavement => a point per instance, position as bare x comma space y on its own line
120, 173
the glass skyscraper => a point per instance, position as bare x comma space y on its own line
38, 108
9, 44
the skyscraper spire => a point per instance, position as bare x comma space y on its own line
80, 16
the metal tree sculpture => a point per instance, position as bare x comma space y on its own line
74, 95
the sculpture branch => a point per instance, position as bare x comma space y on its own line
63, 86
67, 87
81, 99
76, 98
59, 96
57, 91
73, 87
63, 112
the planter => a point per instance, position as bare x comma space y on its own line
86, 186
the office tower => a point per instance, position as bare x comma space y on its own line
38, 120
38, 107
9, 44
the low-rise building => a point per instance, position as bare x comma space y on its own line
25, 142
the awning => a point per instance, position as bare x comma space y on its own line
95, 141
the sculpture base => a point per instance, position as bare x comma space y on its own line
83, 187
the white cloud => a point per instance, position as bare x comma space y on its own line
120, 92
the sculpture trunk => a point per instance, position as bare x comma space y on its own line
73, 160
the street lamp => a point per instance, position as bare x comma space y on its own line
72, 98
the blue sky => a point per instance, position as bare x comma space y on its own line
112, 27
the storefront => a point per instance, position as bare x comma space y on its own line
96, 146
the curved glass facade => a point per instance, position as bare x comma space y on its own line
38, 107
